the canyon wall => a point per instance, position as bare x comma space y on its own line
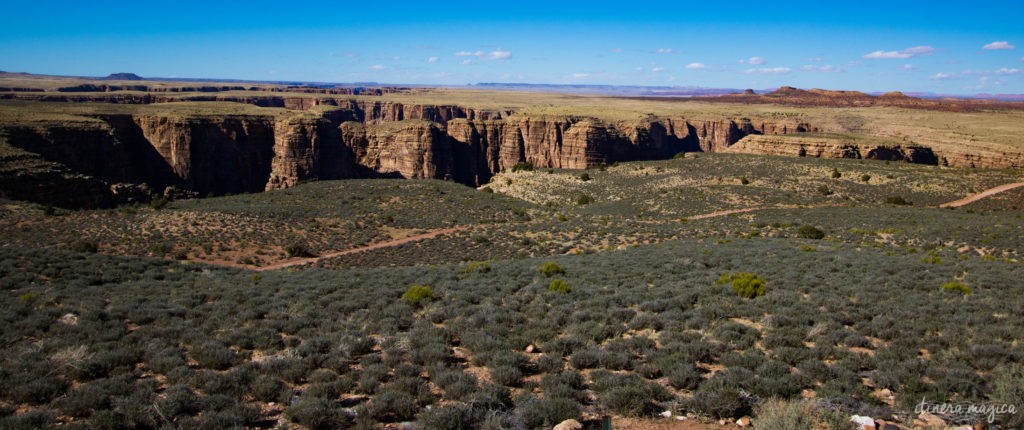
329, 138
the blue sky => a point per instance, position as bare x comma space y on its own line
935, 46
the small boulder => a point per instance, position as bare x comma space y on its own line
743, 422
69, 319
569, 424
863, 423
666, 414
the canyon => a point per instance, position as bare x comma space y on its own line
224, 146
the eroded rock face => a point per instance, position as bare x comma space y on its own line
821, 147
209, 154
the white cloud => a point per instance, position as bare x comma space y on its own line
908, 67
580, 75
433, 59
828, 68
1002, 44
658, 69
466, 62
906, 53
1005, 71
696, 66
769, 71
942, 76
756, 61
497, 54
377, 67
396, 58
666, 51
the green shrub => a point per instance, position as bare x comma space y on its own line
774, 414
547, 412
317, 414
1008, 389
684, 376
87, 246
836, 174
809, 232
865, 178
634, 397
957, 287
679, 155
524, 166
824, 190
746, 285
450, 417
298, 250
213, 355
744, 180
559, 286
585, 177
476, 267
487, 190
550, 269
584, 199
418, 294
158, 202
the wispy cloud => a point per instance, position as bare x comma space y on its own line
943, 76
658, 69
433, 59
377, 67
828, 68
906, 53
497, 54
757, 61
615, 50
1006, 71
908, 67
666, 51
769, 71
1002, 44
580, 75
696, 66
466, 62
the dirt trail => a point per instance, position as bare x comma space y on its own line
304, 261
724, 213
973, 198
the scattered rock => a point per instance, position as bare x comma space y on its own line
929, 420
69, 319
530, 348
666, 414
885, 425
865, 423
743, 422
569, 424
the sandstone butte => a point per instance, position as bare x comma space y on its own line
114, 157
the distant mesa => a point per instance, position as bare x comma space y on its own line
124, 77
748, 92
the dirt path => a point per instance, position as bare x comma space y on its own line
304, 261
724, 213
973, 198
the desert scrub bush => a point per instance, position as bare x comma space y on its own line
449, 417
550, 269
584, 177
684, 376
774, 414
809, 232
584, 199
317, 414
865, 178
957, 287
418, 294
390, 405
896, 200
745, 284
298, 250
86, 246
629, 395
1008, 389
213, 355
523, 166
717, 399
585, 359
506, 375
547, 412
836, 174
559, 286
824, 190
476, 267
